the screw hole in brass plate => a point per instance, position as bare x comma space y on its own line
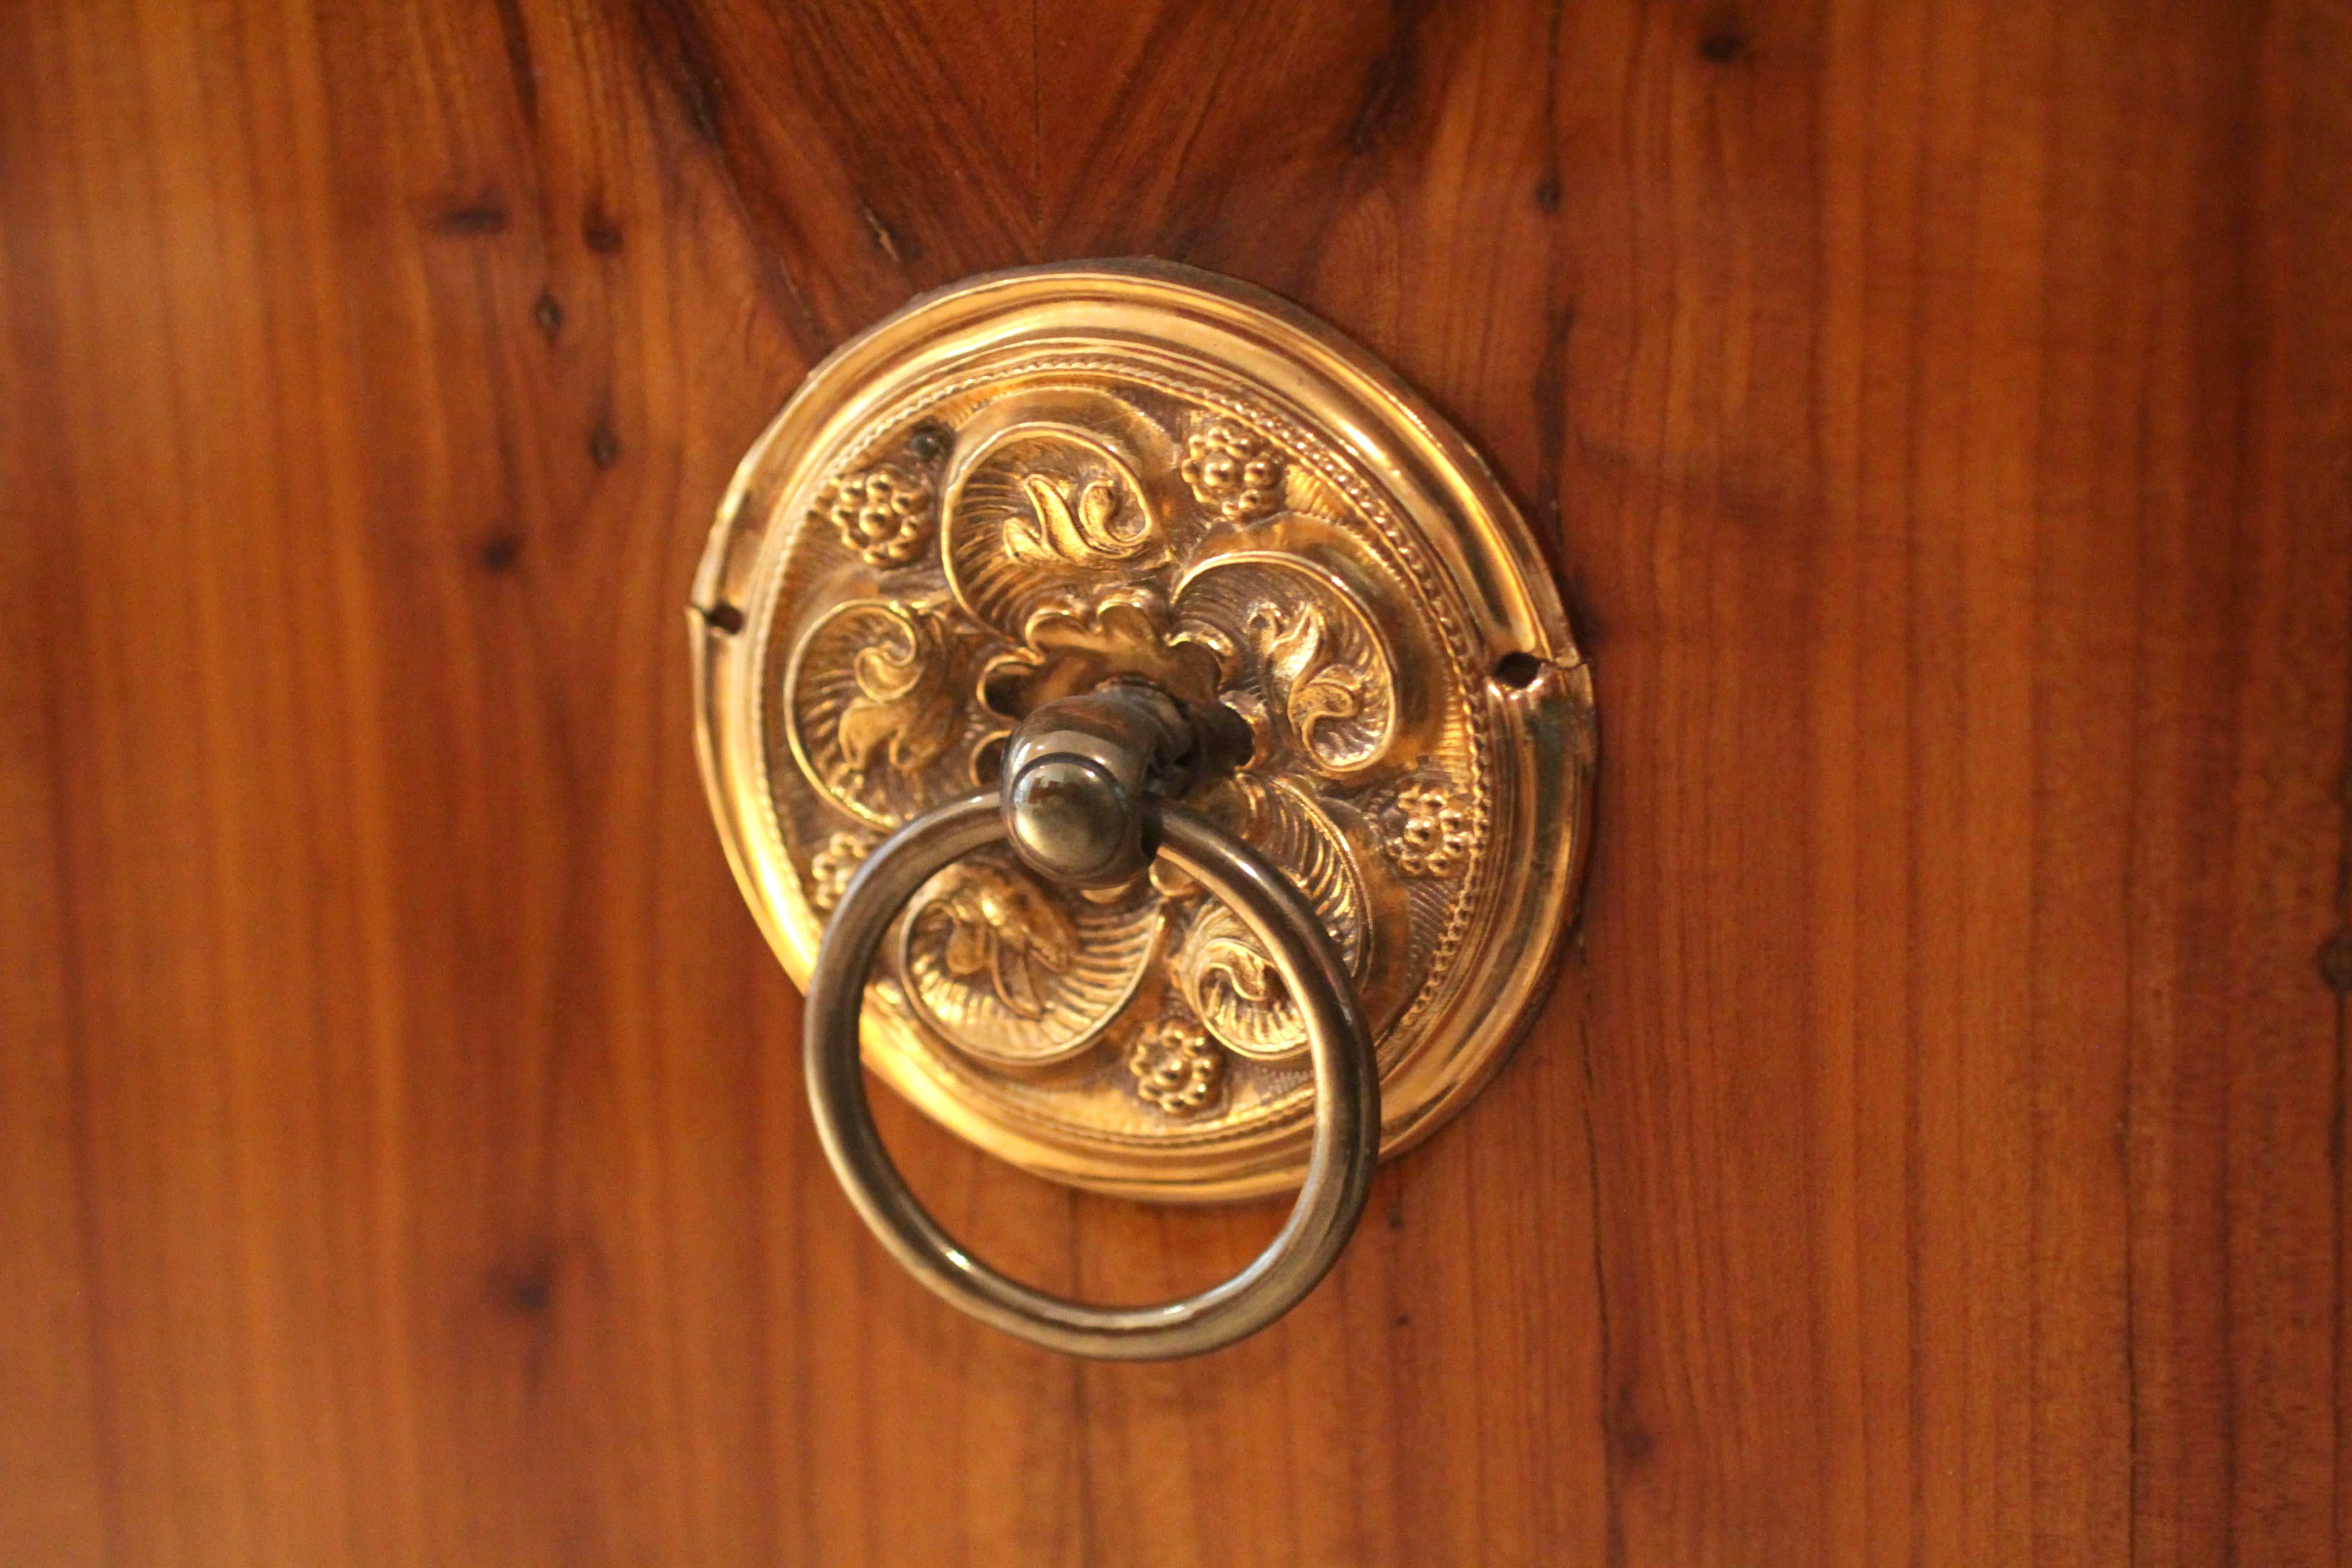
1517, 671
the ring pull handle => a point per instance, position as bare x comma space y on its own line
1081, 802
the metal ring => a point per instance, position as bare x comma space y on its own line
1340, 1044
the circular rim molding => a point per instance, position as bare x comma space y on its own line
1029, 482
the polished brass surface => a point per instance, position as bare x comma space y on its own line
1076, 774
1028, 484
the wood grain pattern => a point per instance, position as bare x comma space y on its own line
1933, 1150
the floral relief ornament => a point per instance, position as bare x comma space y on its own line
1176, 1067
1064, 568
832, 866
1229, 466
1431, 832
884, 514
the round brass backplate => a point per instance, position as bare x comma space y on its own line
1030, 482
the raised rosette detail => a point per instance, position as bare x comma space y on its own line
1430, 831
833, 866
1232, 467
884, 513
1176, 1067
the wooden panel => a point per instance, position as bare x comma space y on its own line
1931, 1152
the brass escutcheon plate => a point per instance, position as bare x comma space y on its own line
1029, 482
